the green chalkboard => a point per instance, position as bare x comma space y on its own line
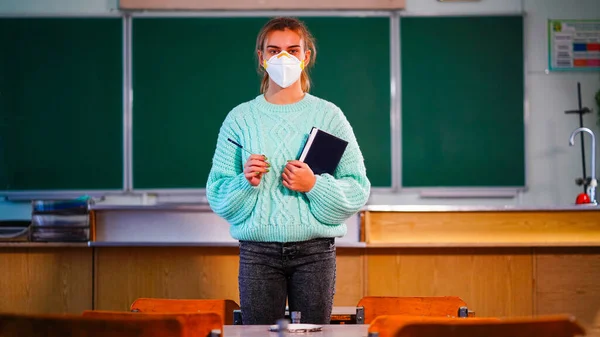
353, 71
462, 101
188, 73
61, 105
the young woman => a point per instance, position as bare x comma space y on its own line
285, 216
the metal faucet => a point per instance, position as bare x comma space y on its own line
593, 182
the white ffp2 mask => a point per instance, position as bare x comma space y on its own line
284, 69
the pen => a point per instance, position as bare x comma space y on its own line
238, 145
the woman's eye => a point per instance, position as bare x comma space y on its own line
293, 52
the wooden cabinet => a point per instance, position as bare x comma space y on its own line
45, 278
501, 263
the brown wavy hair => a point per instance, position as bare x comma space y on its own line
297, 26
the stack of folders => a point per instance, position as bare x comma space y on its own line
60, 220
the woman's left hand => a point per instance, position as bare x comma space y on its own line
297, 176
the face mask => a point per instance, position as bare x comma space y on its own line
284, 69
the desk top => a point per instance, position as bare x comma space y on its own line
204, 207
333, 330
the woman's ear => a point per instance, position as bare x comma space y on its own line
260, 58
306, 57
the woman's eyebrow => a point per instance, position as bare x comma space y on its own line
277, 47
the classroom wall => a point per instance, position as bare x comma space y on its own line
58, 6
434, 7
552, 165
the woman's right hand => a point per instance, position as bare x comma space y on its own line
255, 167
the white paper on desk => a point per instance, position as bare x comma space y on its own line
298, 327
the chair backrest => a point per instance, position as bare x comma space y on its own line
594, 330
17, 325
549, 326
388, 325
195, 324
222, 307
441, 306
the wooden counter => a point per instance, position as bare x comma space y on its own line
126, 273
45, 277
515, 228
501, 262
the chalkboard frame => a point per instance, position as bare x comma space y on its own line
389, 15
466, 191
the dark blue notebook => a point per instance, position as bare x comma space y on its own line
323, 151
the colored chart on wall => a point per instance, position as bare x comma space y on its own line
574, 44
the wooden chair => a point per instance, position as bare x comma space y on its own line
444, 306
17, 325
222, 307
594, 330
549, 326
195, 324
388, 325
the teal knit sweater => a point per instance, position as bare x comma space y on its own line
270, 212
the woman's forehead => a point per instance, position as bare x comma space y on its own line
283, 38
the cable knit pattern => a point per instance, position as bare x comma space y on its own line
270, 212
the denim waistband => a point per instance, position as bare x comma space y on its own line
294, 243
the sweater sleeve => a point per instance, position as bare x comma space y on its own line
228, 192
333, 199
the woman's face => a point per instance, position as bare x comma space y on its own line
280, 40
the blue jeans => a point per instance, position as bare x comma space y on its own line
302, 272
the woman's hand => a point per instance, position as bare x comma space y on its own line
297, 176
254, 168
